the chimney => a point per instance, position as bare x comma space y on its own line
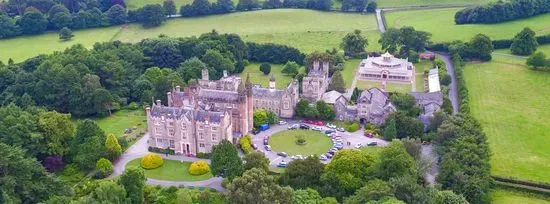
204, 73
158, 103
272, 83
169, 94
178, 89
224, 73
148, 110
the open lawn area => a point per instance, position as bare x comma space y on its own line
511, 103
285, 141
350, 67
121, 120
171, 170
404, 3
258, 77
306, 30
440, 22
420, 67
390, 87
506, 196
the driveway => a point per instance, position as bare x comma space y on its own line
140, 148
354, 138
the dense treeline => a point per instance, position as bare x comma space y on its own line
502, 11
93, 82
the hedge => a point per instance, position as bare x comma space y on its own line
199, 168
537, 184
497, 44
161, 150
151, 161
353, 127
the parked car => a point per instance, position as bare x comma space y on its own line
254, 146
294, 126
369, 135
323, 158
304, 126
282, 154
341, 129
372, 144
282, 164
267, 148
255, 132
317, 129
328, 155
358, 146
264, 127
282, 122
329, 131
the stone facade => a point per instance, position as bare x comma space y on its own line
386, 68
281, 102
430, 104
316, 82
372, 105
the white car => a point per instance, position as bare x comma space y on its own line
358, 146
317, 128
294, 126
282, 122
341, 129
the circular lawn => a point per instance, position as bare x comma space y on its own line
286, 141
171, 170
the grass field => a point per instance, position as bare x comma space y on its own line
440, 22
505, 196
171, 170
511, 103
284, 141
403, 3
390, 87
306, 30
121, 120
350, 67
541, 48
258, 77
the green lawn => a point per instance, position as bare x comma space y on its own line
403, 3
390, 87
505, 196
284, 141
350, 67
511, 103
171, 170
306, 30
121, 120
440, 22
420, 67
258, 77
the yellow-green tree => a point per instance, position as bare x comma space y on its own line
113, 148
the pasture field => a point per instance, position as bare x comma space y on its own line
171, 170
306, 30
440, 23
506, 196
404, 3
350, 67
511, 103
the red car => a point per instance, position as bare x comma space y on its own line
369, 135
319, 123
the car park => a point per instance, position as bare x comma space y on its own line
323, 158
372, 144
267, 148
282, 164
282, 154
266, 141
282, 122
328, 155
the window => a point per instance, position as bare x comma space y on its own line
158, 130
214, 128
172, 144
201, 145
183, 135
214, 137
171, 132
171, 123
201, 136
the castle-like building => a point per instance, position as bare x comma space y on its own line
315, 84
208, 111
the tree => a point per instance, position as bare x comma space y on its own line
406, 103
58, 130
58, 8
245, 5
481, 46
8, 28
116, 15
351, 167
391, 40
214, 59
169, 7
224, 6
305, 196
390, 131
272, 118
355, 5
24, 180
191, 69
65, 34
259, 117
246, 189
133, 180
272, 4
395, 161
406, 126
226, 160
450, 197
256, 160
537, 60
326, 111
373, 190
61, 20
371, 7
104, 166
151, 15
354, 43
290, 68
524, 43
33, 23
113, 148
108, 192
88, 145
337, 83
301, 174
407, 189
265, 68
301, 107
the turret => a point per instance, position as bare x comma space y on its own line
204, 74
148, 111
169, 96
158, 103
224, 73
178, 89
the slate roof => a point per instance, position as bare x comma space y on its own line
190, 114
218, 95
426, 98
266, 93
331, 96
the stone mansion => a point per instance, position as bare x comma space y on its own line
208, 111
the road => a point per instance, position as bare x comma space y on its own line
139, 149
453, 88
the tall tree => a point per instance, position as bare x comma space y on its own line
113, 148
65, 34
133, 180
524, 43
374, 190
302, 174
256, 160
481, 46
246, 189
308, 195
291, 68
58, 130
20, 128
169, 7
151, 15
108, 192
191, 69
326, 111
225, 6
245, 5
354, 5
390, 131
337, 82
301, 107
201, 7
354, 43
88, 144
33, 23
351, 167
8, 28
226, 160
116, 15
395, 161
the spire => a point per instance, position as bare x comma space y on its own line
248, 85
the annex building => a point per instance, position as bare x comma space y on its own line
386, 68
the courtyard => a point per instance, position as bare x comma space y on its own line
316, 143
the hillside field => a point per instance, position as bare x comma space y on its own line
404, 3
440, 23
511, 103
506, 196
306, 30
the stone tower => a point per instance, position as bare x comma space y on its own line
204, 74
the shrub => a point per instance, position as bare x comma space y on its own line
246, 144
104, 166
151, 161
161, 150
203, 155
133, 106
265, 68
199, 168
353, 127
225, 182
